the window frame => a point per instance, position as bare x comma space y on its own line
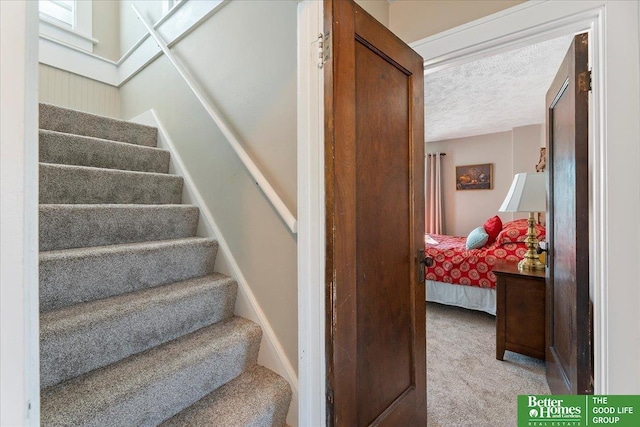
79, 35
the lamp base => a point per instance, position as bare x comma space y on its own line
531, 265
531, 260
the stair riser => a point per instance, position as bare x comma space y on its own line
72, 185
156, 396
67, 351
77, 226
79, 123
70, 149
66, 281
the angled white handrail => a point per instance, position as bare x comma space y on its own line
255, 173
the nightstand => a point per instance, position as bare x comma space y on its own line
520, 319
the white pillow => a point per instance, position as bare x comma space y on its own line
477, 238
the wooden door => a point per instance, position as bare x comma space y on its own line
374, 149
568, 353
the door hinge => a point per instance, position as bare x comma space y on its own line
584, 81
324, 47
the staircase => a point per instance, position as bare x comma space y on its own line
136, 328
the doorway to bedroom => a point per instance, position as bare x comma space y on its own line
485, 123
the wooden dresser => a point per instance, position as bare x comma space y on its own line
520, 321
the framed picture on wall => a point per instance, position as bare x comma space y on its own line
474, 177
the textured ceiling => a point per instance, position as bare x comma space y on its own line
493, 94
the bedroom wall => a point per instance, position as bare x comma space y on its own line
527, 141
510, 152
252, 80
412, 20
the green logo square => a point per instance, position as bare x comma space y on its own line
578, 411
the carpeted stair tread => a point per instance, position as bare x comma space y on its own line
69, 149
78, 339
149, 387
136, 329
257, 398
64, 226
80, 123
82, 184
72, 276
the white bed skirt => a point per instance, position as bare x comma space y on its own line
471, 297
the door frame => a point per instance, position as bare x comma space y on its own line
615, 139
20, 307
311, 216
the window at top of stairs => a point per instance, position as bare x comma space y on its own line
68, 22
60, 11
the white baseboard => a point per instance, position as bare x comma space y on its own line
271, 354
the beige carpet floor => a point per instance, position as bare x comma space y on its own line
466, 385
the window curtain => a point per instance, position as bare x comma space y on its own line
434, 219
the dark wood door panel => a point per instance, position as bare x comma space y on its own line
383, 251
374, 151
568, 354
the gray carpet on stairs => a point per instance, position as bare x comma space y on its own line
72, 276
83, 337
81, 184
135, 326
76, 226
149, 387
80, 123
466, 385
245, 401
68, 149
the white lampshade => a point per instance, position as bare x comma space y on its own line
528, 193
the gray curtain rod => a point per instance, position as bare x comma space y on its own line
433, 154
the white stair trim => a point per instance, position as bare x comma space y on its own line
272, 354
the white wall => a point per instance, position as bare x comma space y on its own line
131, 29
245, 59
65, 89
106, 28
510, 152
19, 366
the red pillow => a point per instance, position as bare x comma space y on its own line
493, 226
516, 231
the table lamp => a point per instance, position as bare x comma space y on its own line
528, 194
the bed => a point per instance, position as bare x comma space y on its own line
462, 277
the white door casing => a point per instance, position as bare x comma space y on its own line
19, 312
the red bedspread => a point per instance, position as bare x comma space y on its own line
457, 265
